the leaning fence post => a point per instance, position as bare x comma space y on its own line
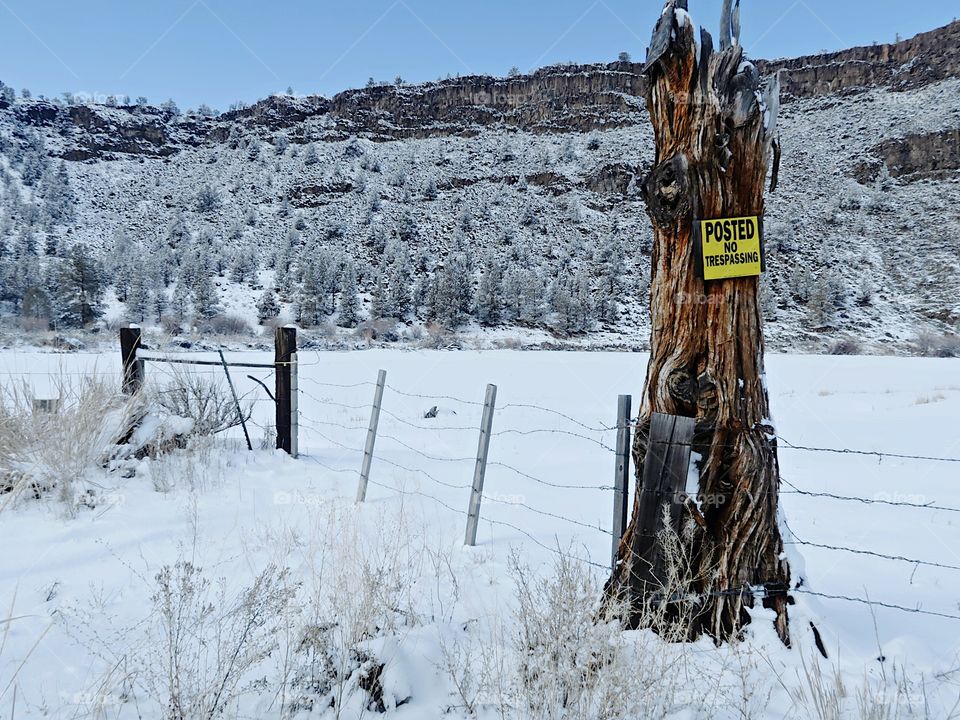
236, 400
371, 436
476, 494
285, 348
621, 475
132, 365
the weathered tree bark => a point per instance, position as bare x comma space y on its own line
715, 131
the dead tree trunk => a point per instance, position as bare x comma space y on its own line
715, 131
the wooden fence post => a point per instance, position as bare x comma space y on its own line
480, 471
132, 365
621, 475
665, 470
285, 348
371, 436
46, 406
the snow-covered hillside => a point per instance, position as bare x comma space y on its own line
388, 586
475, 202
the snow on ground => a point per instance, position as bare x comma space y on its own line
228, 513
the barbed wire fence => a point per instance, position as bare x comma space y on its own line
449, 443
592, 434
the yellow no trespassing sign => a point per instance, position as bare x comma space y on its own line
730, 247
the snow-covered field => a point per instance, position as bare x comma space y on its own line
80, 583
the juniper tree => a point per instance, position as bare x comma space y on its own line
715, 130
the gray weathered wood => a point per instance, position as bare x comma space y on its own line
285, 347
236, 400
371, 436
735, 23
210, 363
132, 365
46, 406
665, 470
480, 471
621, 474
725, 25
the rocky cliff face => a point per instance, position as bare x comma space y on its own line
553, 99
921, 60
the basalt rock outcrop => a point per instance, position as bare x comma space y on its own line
556, 99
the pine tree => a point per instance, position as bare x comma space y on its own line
267, 306
58, 197
244, 266
571, 302
451, 294
180, 301
81, 288
310, 296
203, 295
349, 308
490, 294
397, 277
138, 298
178, 232
36, 308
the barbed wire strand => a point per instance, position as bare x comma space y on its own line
366, 383
547, 483
484, 519
333, 403
545, 513
858, 551
434, 397
567, 433
865, 501
551, 411
403, 421
846, 451
437, 458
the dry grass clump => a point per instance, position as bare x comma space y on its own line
54, 448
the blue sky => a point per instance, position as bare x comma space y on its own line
220, 51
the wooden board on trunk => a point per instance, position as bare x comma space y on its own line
665, 471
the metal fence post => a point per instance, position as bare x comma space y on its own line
621, 476
294, 406
476, 494
371, 436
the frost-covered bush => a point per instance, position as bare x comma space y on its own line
202, 644
227, 325
934, 345
201, 399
